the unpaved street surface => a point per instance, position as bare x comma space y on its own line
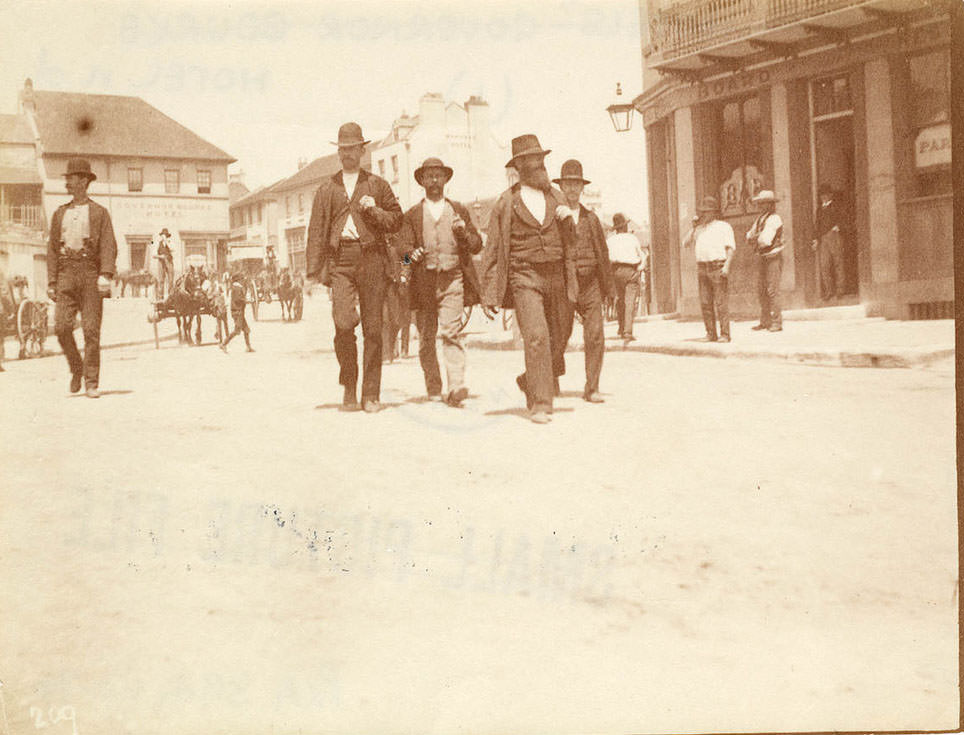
212, 547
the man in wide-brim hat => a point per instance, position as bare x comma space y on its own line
165, 264
348, 249
81, 257
628, 261
438, 240
714, 245
594, 275
766, 239
528, 265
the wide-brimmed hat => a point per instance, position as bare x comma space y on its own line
525, 145
708, 204
571, 171
80, 166
165, 232
350, 134
764, 195
432, 163
619, 220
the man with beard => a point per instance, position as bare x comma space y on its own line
528, 265
592, 271
438, 237
348, 249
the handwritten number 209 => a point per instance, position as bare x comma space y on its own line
54, 715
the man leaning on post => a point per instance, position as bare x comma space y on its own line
81, 256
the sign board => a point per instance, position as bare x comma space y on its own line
243, 251
933, 146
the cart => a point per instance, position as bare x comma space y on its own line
24, 317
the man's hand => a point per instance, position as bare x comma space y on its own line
103, 285
458, 224
416, 255
367, 201
725, 270
490, 312
562, 211
51, 293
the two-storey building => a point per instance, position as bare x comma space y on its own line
790, 95
22, 222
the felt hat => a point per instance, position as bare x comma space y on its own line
764, 195
571, 171
619, 220
350, 134
80, 166
525, 145
432, 163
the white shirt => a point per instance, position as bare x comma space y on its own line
75, 226
624, 248
575, 214
350, 180
535, 202
435, 208
712, 240
769, 230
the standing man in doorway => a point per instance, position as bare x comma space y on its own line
828, 244
528, 265
348, 249
766, 239
627, 259
714, 244
593, 273
81, 256
439, 239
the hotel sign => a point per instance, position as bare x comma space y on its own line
933, 146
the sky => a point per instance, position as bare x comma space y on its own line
270, 82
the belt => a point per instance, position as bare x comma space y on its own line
617, 262
349, 240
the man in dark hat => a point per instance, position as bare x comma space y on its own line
238, 303
626, 255
828, 243
165, 260
348, 249
593, 273
713, 241
766, 239
439, 239
528, 265
81, 255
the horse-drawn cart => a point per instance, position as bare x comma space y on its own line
23, 316
192, 296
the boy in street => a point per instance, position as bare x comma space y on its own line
238, 302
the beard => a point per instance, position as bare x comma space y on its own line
537, 178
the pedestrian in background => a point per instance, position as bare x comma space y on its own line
626, 256
828, 244
238, 303
766, 239
352, 215
81, 255
165, 263
593, 272
714, 244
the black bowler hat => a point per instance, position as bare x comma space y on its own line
432, 163
350, 134
80, 166
571, 171
525, 145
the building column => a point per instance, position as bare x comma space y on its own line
881, 185
780, 134
689, 297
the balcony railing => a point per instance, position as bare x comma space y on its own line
28, 215
691, 27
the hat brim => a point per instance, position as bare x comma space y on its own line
571, 178
531, 152
349, 145
765, 200
91, 176
422, 169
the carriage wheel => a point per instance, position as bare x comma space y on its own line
464, 318
299, 305
31, 328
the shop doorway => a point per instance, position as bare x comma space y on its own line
832, 157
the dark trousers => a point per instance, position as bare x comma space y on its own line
77, 291
359, 276
627, 290
714, 297
240, 327
768, 287
542, 312
590, 308
830, 253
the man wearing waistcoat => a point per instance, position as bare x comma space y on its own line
348, 249
593, 273
766, 239
528, 265
439, 240
81, 256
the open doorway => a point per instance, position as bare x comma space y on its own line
832, 128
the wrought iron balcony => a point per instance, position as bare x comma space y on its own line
25, 215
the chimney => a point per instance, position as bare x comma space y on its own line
477, 110
27, 101
431, 110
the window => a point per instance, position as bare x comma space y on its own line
739, 164
135, 179
172, 180
203, 182
394, 169
831, 95
930, 122
381, 167
301, 203
295, 239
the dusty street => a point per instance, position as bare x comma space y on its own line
212, 547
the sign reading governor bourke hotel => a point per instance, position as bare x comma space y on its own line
212, 212
933, 146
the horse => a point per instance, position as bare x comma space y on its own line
286, 295
186, 299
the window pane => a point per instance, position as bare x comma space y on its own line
203, 182
172, 181
135, 179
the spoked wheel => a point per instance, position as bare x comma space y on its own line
299, 305
31, 328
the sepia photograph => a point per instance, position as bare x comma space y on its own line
478, 368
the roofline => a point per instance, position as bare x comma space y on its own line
227, 161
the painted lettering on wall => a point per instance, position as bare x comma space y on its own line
933, 146
733, 84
